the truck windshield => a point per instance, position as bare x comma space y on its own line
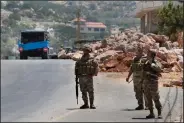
27, 37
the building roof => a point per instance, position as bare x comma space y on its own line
95, 24
80, 19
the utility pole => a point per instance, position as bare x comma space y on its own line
78, 25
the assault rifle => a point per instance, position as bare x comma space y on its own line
76, 88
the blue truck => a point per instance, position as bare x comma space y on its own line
34, 43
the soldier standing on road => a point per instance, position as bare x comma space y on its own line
85, 69
151, 73
136, 70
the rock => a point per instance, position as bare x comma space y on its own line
62, 54
167, 45
115, 53
123, 36
156, 46
140, 35
122, 67
167, 85
175, 44
105, 55
178, 51
70, 55
146, 40
180, 61
135, 37
127, 61
96, 46
104, 43
121, 46
76, 56
111, 63
151, 39
93, 55
162, 53
176, 83
130, 48
175, 68
171, 56
159, 38
163, 49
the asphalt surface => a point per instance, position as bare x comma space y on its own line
44, 90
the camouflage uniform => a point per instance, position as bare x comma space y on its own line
85, 69
151, 72
136, 68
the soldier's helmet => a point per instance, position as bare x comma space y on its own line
152, 53
87, 48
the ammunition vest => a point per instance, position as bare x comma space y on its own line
86, 67
149, 72
137, 66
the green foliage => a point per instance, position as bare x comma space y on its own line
11, 5
170, 20
92, 6
15, 16
92, 18
26, 15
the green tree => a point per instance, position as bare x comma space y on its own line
11, 5
92, 6
92, 18
170, 20
15, 16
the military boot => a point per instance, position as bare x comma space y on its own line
146, 108
91, 104
159, 113
140, 107
85, 106
151, 115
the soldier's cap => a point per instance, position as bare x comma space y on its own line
152, 52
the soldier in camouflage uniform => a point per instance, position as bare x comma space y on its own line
85, 69
136, 69
151, 73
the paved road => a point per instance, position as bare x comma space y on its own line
44, 90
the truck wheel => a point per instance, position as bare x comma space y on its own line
45, 55
25, 56
21, 56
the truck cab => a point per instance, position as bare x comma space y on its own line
34, 43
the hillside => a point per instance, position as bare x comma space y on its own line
19, 15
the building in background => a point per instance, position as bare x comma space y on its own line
147, 12
92, 30
89, 27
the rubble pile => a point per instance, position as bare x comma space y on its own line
114, 54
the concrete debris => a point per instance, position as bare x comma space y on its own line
115, 53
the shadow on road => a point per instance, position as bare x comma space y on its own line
143, 118
128, 109
135, 118
73, 108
